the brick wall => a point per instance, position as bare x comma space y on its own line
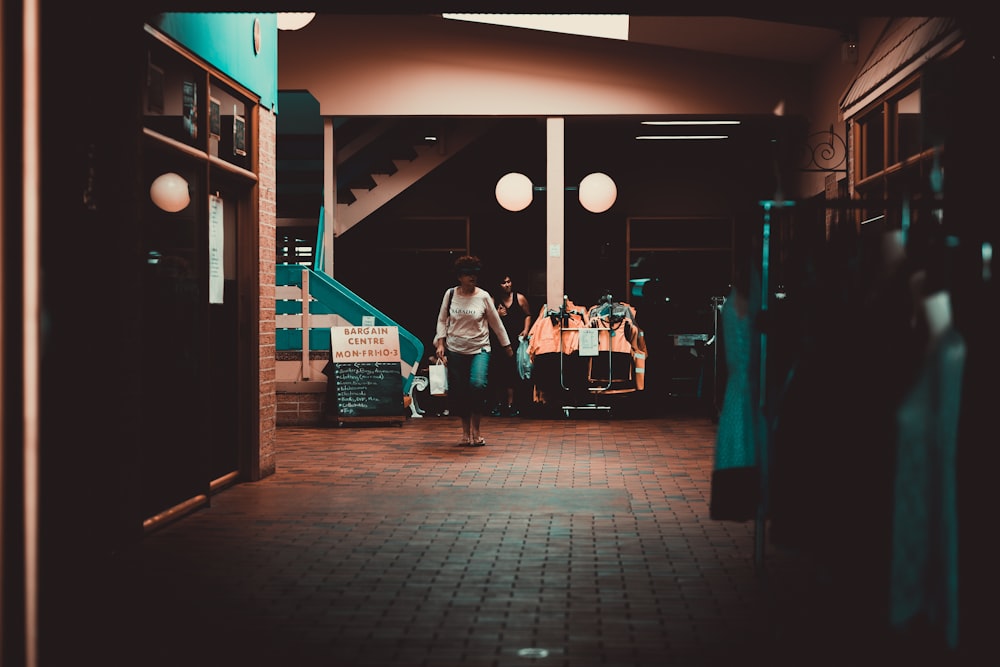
301, 403
267, 218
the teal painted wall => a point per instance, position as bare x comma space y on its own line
226, 41
300, 113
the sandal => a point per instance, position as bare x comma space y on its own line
479, 442
465, 441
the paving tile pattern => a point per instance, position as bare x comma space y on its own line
563, 542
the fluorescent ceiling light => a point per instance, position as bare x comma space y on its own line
610, 26
683, 136
690, 122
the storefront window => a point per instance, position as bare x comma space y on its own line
174, 97
229, 136
199, 243
908, 129
872, 135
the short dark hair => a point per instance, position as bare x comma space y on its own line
468, 264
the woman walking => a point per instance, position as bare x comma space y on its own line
462, 342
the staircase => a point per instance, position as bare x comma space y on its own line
388, 156
376, 158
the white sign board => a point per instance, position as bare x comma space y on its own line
364, 343
216, 239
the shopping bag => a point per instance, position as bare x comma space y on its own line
524, 362
437, 376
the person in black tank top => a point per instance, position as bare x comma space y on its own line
516, 316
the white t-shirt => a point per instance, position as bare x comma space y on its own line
465, 324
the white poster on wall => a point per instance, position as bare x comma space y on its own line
216, 240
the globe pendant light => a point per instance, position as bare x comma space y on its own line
514, 191
170, 192
294, 20
597, 192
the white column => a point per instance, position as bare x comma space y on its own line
329, 194
555, 200
31, 315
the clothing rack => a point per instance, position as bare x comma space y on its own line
563, 314
572, 381
763, 414
717, 303
896, 602
590, 406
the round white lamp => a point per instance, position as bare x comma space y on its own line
514, 191
170, 192
597, 192
294, 20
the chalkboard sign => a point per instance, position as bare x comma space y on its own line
364, 377
367, 389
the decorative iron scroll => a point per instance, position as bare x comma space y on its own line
824, 152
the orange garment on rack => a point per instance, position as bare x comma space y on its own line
619, 321
637, 346
622, 339
550, 333
639, 354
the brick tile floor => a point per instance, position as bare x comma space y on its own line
563, 542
